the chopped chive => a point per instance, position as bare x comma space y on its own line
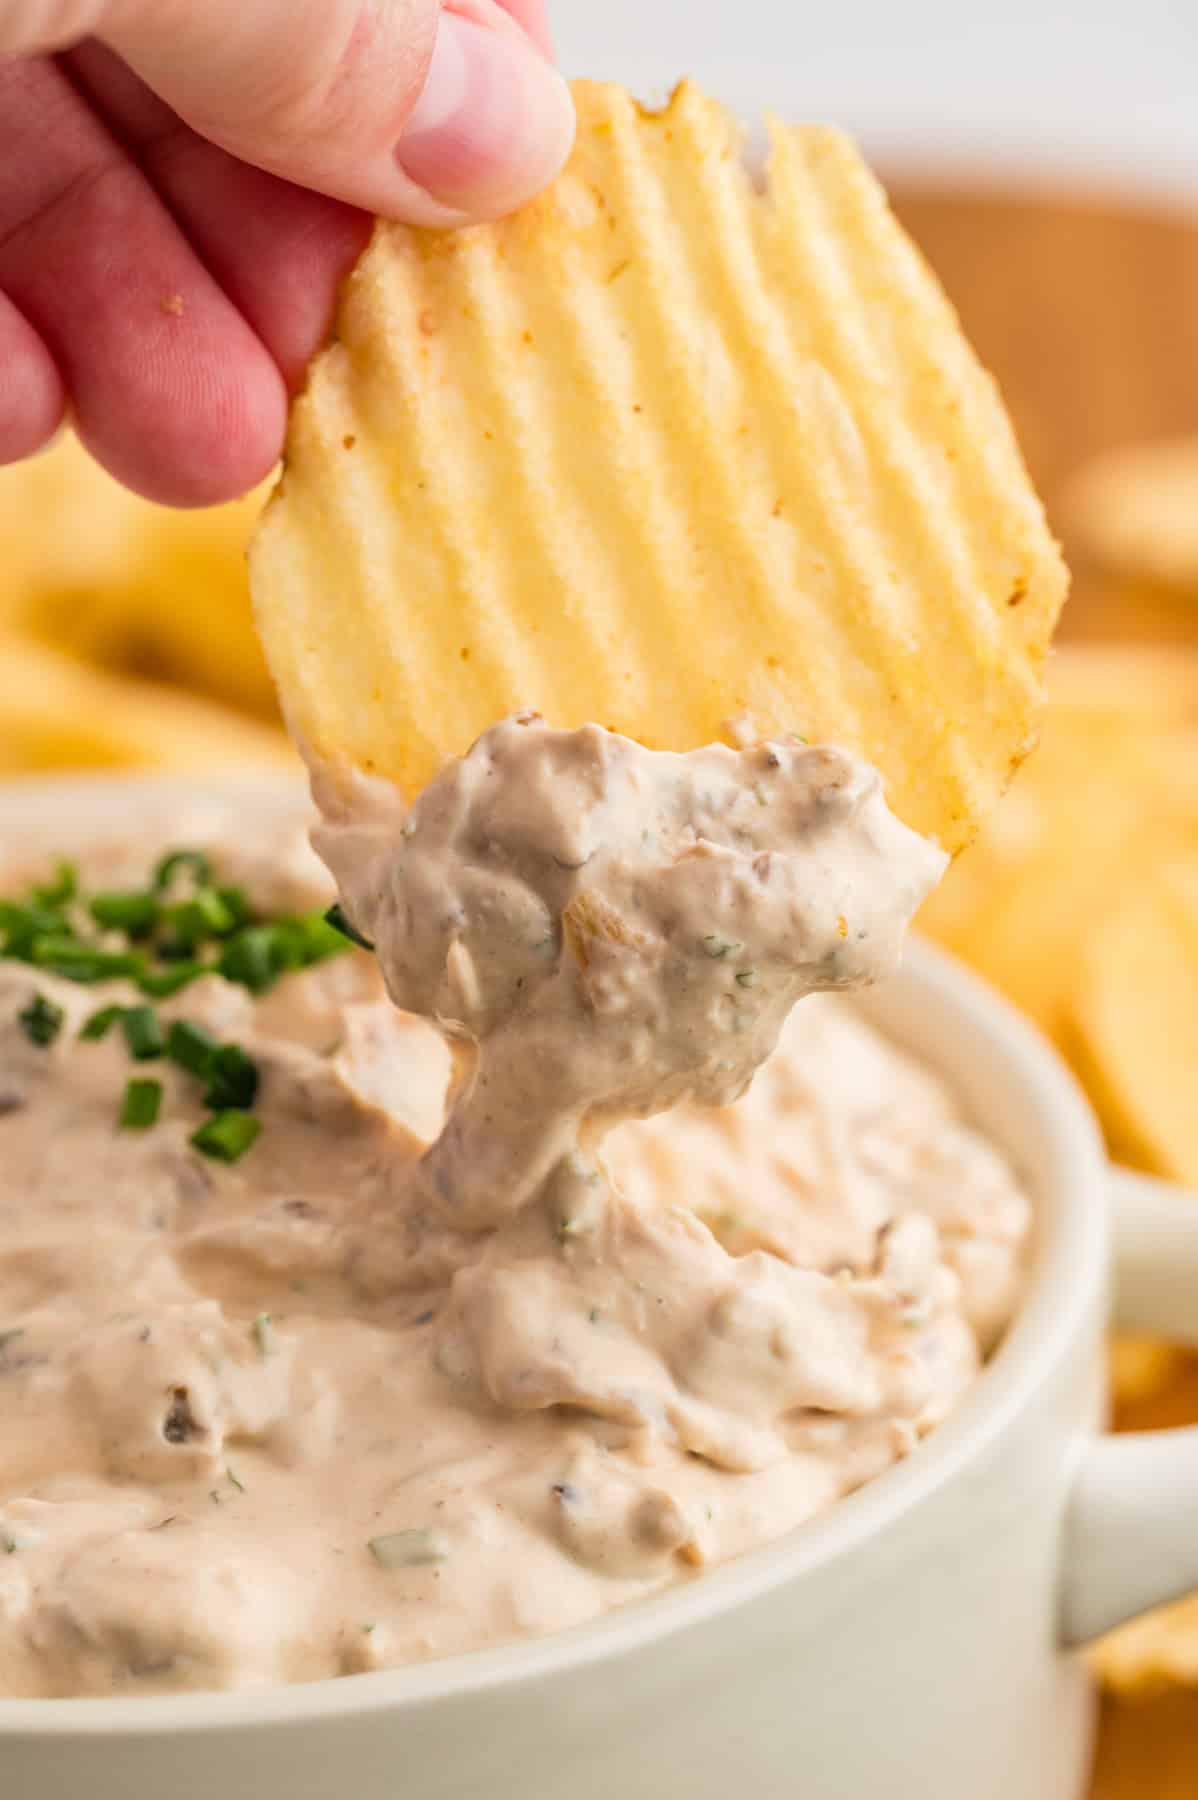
141, 1104
234, 900
409, 1549
257, 955
318, 939
337, 918
22, 925
234, 1078
746, 978
249, 958
226, 1135
239, 1485
173, 949
41, 1020
100, 1023
264, 1335
160, 984
63, 888
77, 961
205, 915
168, 866
191, 1046
288, 945
143, 1033
718, 947
134, 913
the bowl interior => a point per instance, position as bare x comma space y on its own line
1011, 1085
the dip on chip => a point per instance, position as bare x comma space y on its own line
671, 450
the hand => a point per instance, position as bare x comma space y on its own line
184, 182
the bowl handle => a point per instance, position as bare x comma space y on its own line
1131, 1529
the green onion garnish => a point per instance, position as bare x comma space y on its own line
264, 1335
100, 1023
337, 918
21, 925
226, 1135
41, 1020
143, 1033
205, 915
173, 949
168, 866
192, 1047
250, 958
141, 1103
234, 901
164, 926
239, 1485
136, 914
234, 1079
317, 938
77, 961
160, 984
63, 888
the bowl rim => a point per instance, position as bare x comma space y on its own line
1070, 1268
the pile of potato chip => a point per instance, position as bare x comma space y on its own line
1080, 899
125, 631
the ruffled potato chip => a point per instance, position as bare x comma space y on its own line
1136, 1016
1114, 782
1152, 1653
56, 713
136, 588
1139, 1367
666, 449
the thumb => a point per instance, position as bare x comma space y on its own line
428, 113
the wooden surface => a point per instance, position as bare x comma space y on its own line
1088, 316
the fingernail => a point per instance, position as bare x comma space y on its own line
493, 124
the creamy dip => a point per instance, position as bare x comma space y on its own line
380, 1391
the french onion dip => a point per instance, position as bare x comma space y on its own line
363, 1308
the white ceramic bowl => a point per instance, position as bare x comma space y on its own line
914, 1643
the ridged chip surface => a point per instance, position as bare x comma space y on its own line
663, 449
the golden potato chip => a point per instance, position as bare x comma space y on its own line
1136, 511
1157, 683
1136, 1014
1139, 1367
56, 713
666, 448
1157, 1651
140, 589
1115, 781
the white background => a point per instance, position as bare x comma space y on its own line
1105, 92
